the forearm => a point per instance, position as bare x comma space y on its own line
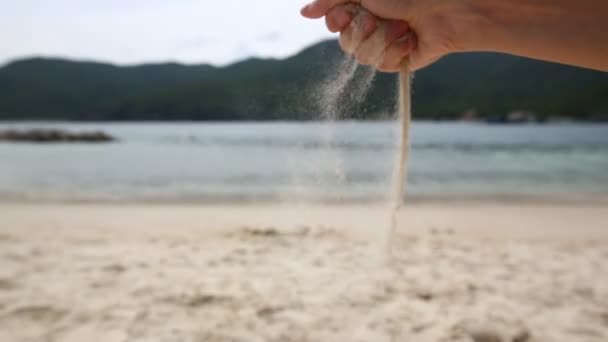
565, 31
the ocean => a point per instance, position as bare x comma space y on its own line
310, 161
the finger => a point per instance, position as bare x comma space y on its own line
339, 17
371, 50
360, 28
395, 54
319, 8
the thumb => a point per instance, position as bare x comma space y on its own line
319, 8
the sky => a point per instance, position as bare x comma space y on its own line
130, 32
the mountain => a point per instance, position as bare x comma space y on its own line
265, 89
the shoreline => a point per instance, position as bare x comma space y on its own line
581, 199
524, 218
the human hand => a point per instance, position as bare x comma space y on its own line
383, 33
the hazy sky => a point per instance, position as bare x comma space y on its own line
135, 31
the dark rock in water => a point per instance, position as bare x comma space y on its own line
54, 136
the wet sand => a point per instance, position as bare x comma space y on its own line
461, 271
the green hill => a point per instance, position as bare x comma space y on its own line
257, 89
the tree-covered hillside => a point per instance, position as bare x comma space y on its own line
489, 84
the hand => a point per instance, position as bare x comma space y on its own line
419, 30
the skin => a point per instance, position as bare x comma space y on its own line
383, 33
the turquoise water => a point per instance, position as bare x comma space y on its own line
306, 161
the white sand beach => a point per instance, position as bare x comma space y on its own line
461, 271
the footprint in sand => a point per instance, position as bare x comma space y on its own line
199, 300
6, 238
490, 333
268, 312
7, 284
39, 313
114, 268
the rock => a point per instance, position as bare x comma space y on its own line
53, 136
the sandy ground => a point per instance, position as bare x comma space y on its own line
459, 272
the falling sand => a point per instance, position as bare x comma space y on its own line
403, 151
333, 94
346, 87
